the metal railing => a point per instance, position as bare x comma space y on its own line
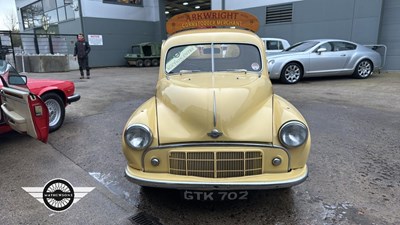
20, 44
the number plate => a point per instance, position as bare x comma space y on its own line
215, 195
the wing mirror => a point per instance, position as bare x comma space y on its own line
320, 50
17, 79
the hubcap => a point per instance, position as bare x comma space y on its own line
54, 111
364, 69
292, 73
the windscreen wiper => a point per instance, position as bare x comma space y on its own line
238, 70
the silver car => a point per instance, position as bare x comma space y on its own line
323, 57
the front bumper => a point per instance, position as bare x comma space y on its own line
256, 182
73, 98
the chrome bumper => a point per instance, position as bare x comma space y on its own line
73, 98
197, 183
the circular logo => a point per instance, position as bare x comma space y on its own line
255, 66
58, 195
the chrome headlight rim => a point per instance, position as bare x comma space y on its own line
291, 123
144, 128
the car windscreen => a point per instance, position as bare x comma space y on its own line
302, 46
213, 57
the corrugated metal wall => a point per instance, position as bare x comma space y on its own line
118, 37
361, 21
389, 34
354, 20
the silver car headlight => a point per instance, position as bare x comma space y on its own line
138, 136
293, 134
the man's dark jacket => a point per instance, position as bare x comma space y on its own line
82, 49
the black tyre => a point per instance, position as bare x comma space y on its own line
291, 73
139, 63
363, 69
155, 62
147, 62
56, 108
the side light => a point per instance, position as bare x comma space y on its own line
138, 136
293, 134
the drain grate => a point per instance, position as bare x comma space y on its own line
142, 218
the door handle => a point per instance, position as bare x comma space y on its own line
343, 55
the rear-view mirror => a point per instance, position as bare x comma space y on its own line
320, 50
208, 51
17, 79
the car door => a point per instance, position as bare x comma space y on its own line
24, 112
328, 62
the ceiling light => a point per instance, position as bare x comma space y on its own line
197, 7
185, 3
166, 12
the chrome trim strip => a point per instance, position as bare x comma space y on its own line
289, 123
215, 111
201, 144
212, 58
214, 185
146, 128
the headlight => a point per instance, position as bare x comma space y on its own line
293, 134
138, 136
271, 61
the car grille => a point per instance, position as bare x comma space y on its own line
215, 164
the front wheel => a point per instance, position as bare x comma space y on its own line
56, 108
363, 69
291, 73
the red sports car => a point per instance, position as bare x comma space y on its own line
56, 94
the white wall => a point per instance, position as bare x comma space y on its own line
98, 9
244, 4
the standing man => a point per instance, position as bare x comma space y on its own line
82, 49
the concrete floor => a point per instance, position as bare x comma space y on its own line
354, 163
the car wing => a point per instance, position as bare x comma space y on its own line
25, 112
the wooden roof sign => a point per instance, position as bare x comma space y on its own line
212, 19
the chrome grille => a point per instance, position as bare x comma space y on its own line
216, 164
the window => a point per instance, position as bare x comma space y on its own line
274, 45
60, 3
49, 5
327, 46
61, 14
136, 49
31, 14
302, 46
51, 16
124, 2
51, 11
213, 58
279, 13
343, 46
70, 12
